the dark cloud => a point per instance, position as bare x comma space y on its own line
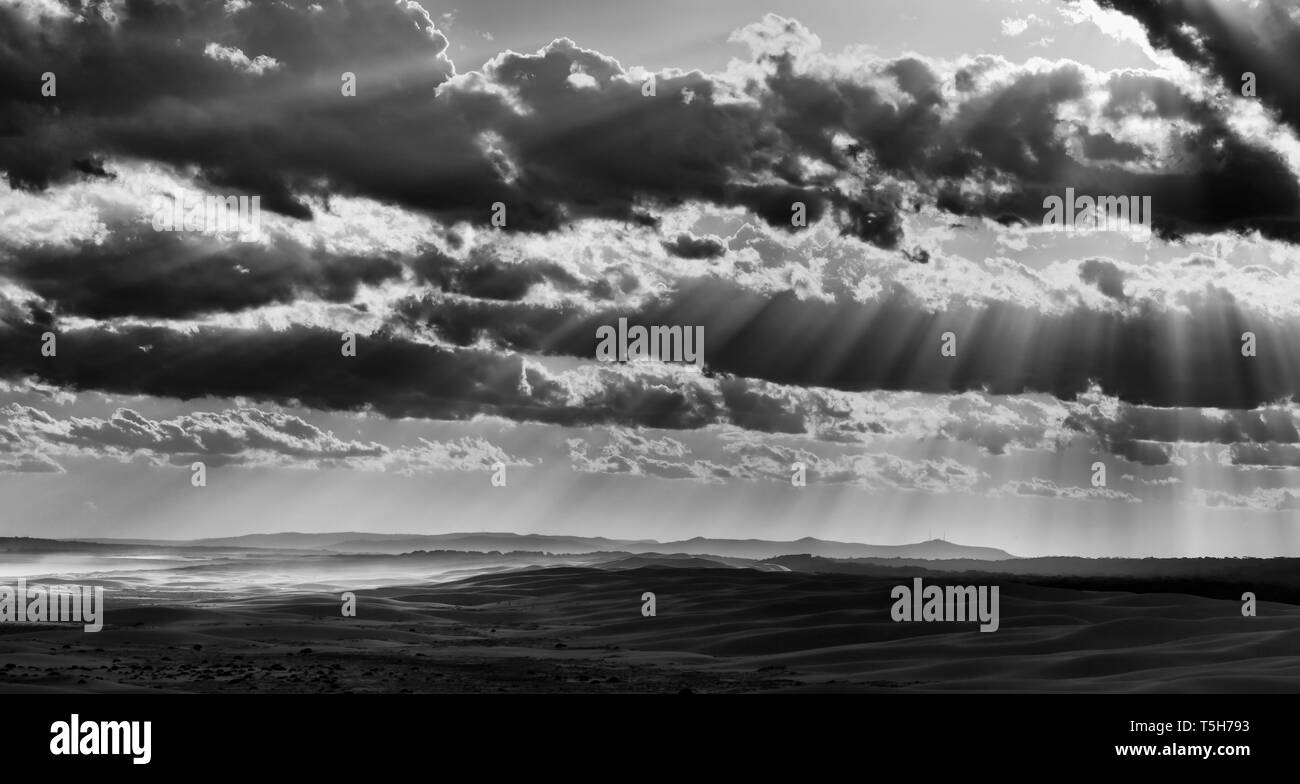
753, 410
688, 246
393, 377
893, 343
147, 273
1261, 38
1144, 434
1108, 278
485, 277
138, 82
832, 346
1265, 455
1219, 181
1104, 146
1013, 132
527, 132
567, 133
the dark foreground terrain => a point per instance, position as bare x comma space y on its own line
717, 629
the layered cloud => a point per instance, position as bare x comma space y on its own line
894, 316
1038, 486
569, 133
747, 458
34, 440
1230, 40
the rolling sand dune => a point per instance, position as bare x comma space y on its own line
717, 629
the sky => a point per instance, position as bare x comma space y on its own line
941, 362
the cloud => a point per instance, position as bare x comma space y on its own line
614, 200
1012, 26
567, 133
790, 340
481, 276
129, 85
136, 271
1106, 276
1147, 435
305, 365
630, 453
874, 471
231, 436
1038, 486
688, 246
1256, 37
18, 455
239, 437
257, 65
748, 458
1275, 499
1265, 455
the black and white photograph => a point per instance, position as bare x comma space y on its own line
484, 347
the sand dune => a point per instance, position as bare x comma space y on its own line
716, 629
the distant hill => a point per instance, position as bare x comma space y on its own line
27, 544
672, 561
753, 549
933, 549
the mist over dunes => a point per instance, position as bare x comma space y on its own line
262, 613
